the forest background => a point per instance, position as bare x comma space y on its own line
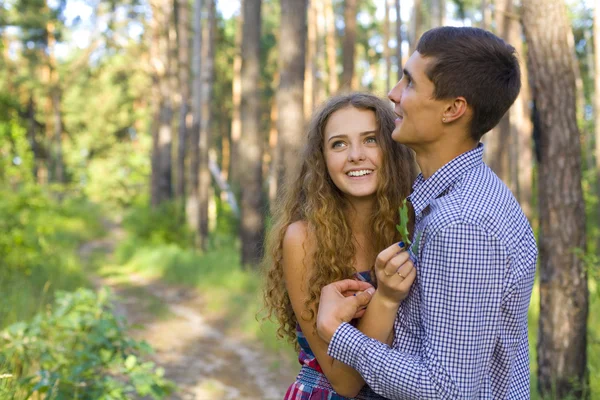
175, 121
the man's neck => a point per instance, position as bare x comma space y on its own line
434, 156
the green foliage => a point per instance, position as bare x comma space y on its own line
38, 247
403, 227
164, 224
16, 159
78, 349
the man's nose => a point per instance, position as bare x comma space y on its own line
395, 95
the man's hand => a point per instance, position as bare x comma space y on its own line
395, 274
334, 308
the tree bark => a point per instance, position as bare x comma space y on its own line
416, 23
252, 217
331, 48
597, 89
310, 66
162, 134
399, 58
183, 26
349, 44
499, 142
57, 173
438, 13
563, 277
290, 123
386, 46
192, 208
236, 98
522, 130
207, 77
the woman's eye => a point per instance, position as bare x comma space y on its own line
338, 144
371, 139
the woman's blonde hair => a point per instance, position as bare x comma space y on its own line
312, 197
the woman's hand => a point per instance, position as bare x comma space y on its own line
395, 274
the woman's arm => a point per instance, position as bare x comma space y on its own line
296, 266
395, 275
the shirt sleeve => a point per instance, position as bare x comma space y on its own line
461, 274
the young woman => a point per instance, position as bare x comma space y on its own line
330, 223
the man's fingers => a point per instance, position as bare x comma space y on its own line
363, 298
350, 284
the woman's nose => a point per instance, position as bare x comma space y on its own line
356, 153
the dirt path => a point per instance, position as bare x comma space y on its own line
204, 362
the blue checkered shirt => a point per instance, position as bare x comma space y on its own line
462, 331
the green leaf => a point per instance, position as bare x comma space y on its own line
130, 362
403, 227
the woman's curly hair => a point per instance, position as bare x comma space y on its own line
313, 198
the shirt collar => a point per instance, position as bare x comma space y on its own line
425, 190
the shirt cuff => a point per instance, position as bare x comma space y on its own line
346, 344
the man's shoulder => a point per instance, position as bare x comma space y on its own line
479, 198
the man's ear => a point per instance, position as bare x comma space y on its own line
455, 109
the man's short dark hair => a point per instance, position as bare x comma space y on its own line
477, 65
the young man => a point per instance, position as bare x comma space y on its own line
462, 331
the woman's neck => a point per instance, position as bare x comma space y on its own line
359, 214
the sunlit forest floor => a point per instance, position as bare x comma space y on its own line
201, 345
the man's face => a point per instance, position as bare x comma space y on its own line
419, 119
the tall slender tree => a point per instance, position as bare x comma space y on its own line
597, 87
310, 61
386, 46
290, 121
183, 27
499, 142
331, 47
349, 43
193, 196
399, 56
251, 140
563, 277
163, 112
236, 99
416, 25
207, 78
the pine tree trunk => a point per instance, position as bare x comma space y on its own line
399, 57
183, 25
416, 24
236, 98
57, 173
310, 67
349, 44
251, 141
386, 46
563, 278
522, 128
331, 48
290, 122
58, 129
162, 131
192, 208
597, 89
499, 141
207, 77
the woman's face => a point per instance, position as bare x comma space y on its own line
352, 154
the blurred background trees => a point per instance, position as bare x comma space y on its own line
193, 111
